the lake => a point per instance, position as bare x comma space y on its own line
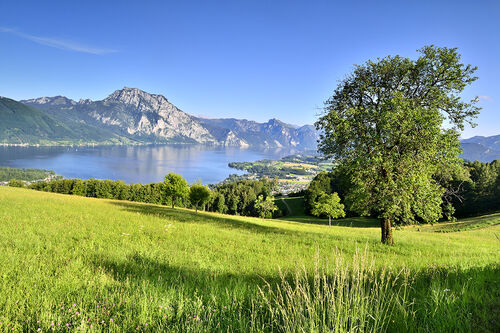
136, 164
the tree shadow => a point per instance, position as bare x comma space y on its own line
139, 269
430, 291
187, 216
353, 222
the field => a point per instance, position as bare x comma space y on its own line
74, 263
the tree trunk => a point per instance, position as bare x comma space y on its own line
330, 221
196, 208
173, 202
385, 225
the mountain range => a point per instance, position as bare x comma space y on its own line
131, 115
481, 148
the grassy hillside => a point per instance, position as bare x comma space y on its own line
73, 262
22, 124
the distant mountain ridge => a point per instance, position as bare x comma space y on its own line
138, 116
22, 124
481, 148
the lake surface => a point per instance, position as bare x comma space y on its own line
135, 164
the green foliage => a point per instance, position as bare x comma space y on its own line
79, 188
175, 187
265, 207
327, 182
16, 183
384, 124
233, 198
199, 195
178, 271
29, 175
478, 192
238, 198
328, 205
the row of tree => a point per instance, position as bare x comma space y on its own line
473, 189
248, 198
240, 198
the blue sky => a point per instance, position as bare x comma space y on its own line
242, 59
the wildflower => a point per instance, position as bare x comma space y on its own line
111, 319
39, 329
446, 290
74, 305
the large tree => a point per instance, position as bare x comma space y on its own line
175, 187
199, 195
393, 124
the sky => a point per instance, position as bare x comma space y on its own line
241, 58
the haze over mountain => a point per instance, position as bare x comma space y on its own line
22, 124
481, 148
150, 118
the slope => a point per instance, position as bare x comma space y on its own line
22, 124
122, 266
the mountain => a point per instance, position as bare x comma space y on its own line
150, 118
492, 142
481, 148
273, 134
22, 124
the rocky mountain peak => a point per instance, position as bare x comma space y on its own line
277, 123
56, 100
137, 97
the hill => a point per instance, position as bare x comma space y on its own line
83, 263
22, 124
480, 148
152, 118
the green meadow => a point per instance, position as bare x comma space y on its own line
70, 263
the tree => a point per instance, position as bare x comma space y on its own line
175, 187
79, 188
329, 205
265, 207
199, 195
16, 183
384, 124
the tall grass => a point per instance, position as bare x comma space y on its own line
350, 297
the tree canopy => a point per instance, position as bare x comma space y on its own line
175, 187
328, 205
384, 124
199, 195
265, 207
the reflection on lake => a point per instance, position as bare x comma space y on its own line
135, 164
